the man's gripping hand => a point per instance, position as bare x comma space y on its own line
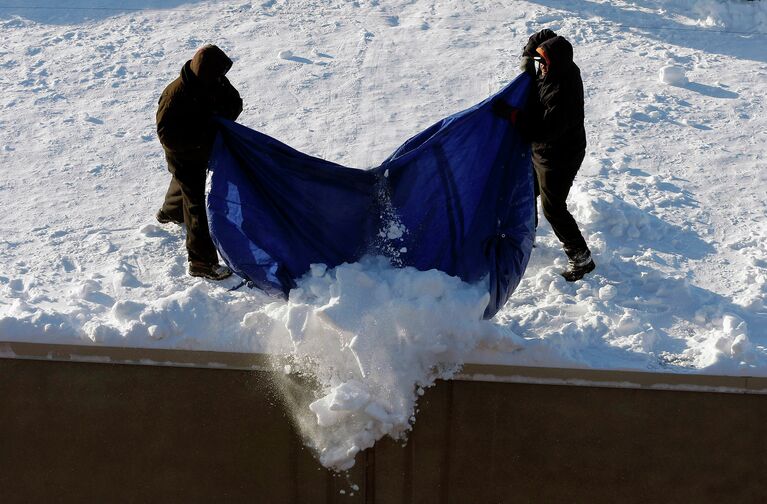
505, 111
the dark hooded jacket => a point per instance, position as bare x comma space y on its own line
186, 108
553, 119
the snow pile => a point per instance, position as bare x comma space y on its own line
371, 337
105, 312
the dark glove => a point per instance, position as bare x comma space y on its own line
527, 65
536, 40
505, 111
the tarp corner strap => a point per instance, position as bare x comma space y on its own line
240, 285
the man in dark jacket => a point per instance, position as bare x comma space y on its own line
187, 130
553, 122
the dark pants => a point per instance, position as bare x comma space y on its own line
185, 200
553, 185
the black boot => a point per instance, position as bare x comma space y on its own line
210, 271
164, 218
579, 264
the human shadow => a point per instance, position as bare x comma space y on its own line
644, 17
61, 12
658, 303
628, 227
656, 315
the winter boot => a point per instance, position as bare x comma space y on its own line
164, 218
579, 264
210, 271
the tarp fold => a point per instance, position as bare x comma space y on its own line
457, 197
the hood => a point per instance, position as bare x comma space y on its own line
557, 52
209, 63
536, 40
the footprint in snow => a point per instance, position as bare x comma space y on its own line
178, 270
193, 43
92, 120
652, 117
125, 279
58, 234
69, 265
319, 54
696, 125
152, 231
17, 284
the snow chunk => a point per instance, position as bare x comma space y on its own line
85, 288
730, 349
318, 270
126, 311
607, 292
672, 75
734, 342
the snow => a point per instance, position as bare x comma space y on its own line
371, 335
673, 75
670, 196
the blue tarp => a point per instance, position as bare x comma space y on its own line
462, 191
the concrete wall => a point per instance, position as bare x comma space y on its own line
88, 432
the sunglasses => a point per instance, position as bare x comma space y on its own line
540, 60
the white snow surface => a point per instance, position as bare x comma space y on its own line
671, 196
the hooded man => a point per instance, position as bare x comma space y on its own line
187, 130
553, 122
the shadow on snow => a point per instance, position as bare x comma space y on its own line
78, 11
664, 29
